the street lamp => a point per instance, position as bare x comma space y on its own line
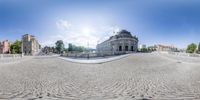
22, 47
88, 56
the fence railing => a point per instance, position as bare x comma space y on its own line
80, 55
184, 54
93, 55
3, 56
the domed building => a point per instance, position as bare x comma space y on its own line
121, 43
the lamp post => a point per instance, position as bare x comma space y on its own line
22, 47
88, 56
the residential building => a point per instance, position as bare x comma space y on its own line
30, 45
5, 47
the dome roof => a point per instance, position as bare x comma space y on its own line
124, 33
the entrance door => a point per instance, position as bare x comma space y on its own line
120, 48
131, 48
126, 48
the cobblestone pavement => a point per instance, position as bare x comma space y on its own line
138, 76
98, 60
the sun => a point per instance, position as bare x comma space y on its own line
86, 30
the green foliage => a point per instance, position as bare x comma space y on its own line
198, 51
191, 48
65, 50
15, 48
72, 48
40, 47
151, 48
144, 50
60, 46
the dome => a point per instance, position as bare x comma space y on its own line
124, 33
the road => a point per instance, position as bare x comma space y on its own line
138, 76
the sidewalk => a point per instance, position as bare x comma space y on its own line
94, 60
11, 60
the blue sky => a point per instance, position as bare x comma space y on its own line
170, 22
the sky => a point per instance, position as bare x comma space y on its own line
83, 22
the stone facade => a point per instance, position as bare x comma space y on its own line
121, 43
160, 47
30, 45
5, 47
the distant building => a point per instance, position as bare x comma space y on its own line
160, 47
143, 46
151, 48
30, 45
48, 50
121, 43
199, 48
5, 47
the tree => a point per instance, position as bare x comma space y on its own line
65, 50
54, 49
191, 48
70, 47
60, 46
144, 50
16, 47
198, 51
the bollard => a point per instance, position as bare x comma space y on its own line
14, 56
21, 55
1, 56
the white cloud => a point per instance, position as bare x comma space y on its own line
63, 24
80, 34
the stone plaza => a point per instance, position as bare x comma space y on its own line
137, 76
